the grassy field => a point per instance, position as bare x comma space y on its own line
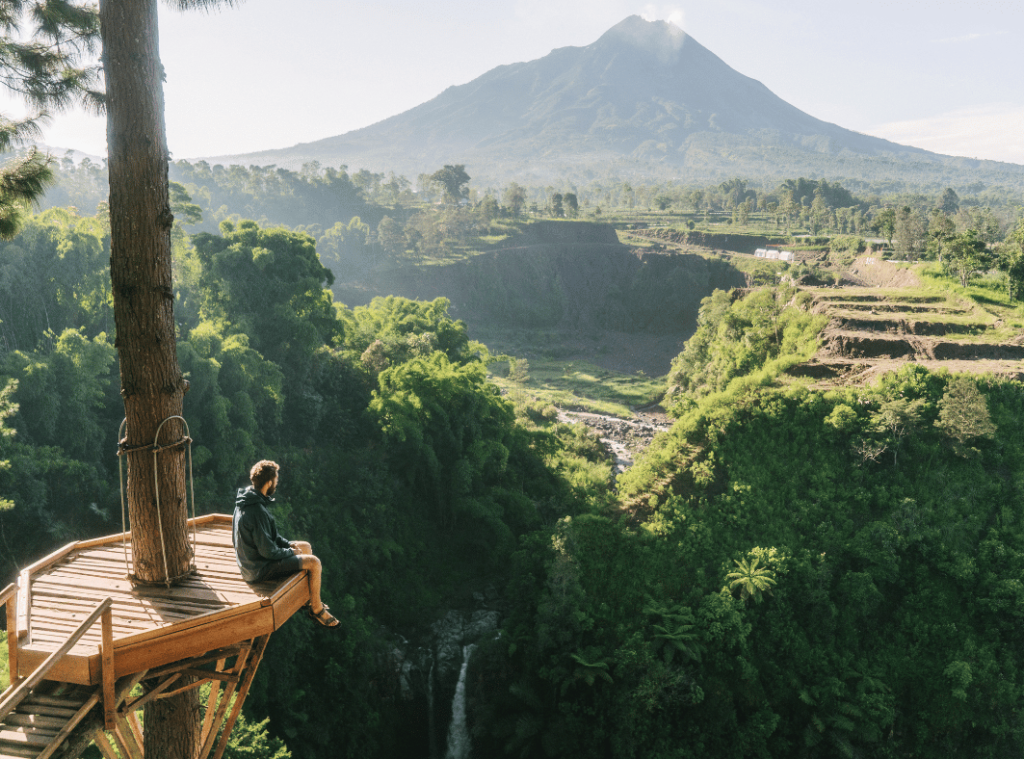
580, 385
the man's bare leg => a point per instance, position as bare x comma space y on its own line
311, 564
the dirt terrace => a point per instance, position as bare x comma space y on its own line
875, 330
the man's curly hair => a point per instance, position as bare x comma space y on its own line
263, 472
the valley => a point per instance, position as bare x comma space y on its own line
592, 469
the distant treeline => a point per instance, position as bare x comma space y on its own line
318, 197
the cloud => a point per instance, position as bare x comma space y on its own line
994, 132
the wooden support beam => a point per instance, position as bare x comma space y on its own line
9, 598
24, 603
206, 674
222, 707
122, 745
211, 704
125, 737
191, 686
167, 647
222, 654
147, 697
132, 718
103, 744
251, 666
107, 655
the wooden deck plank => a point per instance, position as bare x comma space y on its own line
51, 624
209, 558
190, 590
157, 605
216, 580
207, 598
68, 610
123, 610
226, 565
49, 627
152, 626
130, 626
166, 618
159, 615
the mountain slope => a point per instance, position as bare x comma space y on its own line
645, 98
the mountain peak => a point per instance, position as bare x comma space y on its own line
661, 40
645, 98
637, 31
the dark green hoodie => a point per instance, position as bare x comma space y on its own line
254, 534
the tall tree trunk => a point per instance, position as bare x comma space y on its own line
140, 269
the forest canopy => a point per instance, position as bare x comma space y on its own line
786, 572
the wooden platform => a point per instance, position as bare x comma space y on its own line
152, 626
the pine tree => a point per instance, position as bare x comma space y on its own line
152, 384
47, 71
51, 72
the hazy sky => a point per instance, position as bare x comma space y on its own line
945, 76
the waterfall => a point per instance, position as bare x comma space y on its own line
458, 734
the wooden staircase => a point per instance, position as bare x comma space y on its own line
44, 719
88, 651
51, 713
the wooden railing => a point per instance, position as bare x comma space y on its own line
9, 598
18, 692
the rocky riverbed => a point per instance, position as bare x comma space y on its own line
624, 438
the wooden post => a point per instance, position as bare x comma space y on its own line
222, 707
211, 705
103, 744
136, 727
24, 604
125, 737
15, 695
107, 655
250, 673
9, 596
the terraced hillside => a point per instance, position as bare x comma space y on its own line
873, 330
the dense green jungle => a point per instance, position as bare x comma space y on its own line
788, 571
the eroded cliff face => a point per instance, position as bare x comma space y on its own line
566, 277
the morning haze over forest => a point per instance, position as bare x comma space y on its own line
632, 411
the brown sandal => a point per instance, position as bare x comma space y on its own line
324, 618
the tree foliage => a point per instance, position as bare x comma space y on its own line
452, 179
44, 58
964, 255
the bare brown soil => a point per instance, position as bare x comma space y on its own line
875, 272
875, 331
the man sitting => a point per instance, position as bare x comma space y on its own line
262, 554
